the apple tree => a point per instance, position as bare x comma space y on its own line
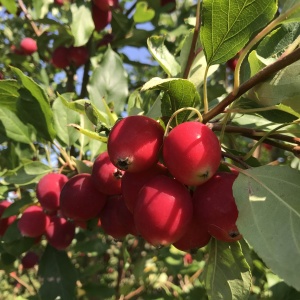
170, 176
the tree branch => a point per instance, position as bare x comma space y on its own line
259, 77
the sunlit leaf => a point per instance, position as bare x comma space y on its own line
228, 25
269, 217
227, 274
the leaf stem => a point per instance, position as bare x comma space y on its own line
205, 97
179, 111
255, 40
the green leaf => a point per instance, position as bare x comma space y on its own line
269, 217
198, 68
143, 13
179, 93
109, 81
16, 207
63, 116
163, 56
227, 274
229, 24
82, 25
9, 94
295, 15
33, 101
283, 87
58, 275
27, 173
14, 128
11, 6
14, 243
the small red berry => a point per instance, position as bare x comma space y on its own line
215, 205
134, 143
192, 153
163, 210
29, 260
28, 46
5, 222
33, 222
100, 17
60, 57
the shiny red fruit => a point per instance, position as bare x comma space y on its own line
192, 153
33, 222
28, 46
29, 260
106, 176
195, 237
48, 191
163, 210
60, 233
5, 222
133, 182
100, 17
79, 198
215, 205
116, 219
60, 57
134, 143
78, 56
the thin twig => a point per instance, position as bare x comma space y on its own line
28, 17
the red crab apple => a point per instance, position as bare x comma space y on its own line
79, 198
192, 153
48, 191
29, 260
106, 176
78, 56
60, 57
60, 232
195, 237
5, 222
106, 5
163, 210
33, 222
133, 182
215, 205
28, 46
134, 143
116, 219
100, 17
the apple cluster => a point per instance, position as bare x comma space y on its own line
164, 188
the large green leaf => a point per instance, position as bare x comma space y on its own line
109, 81
14, 128
58, 275
82, 24
227, 274
33, 106
9, 94
27, 173
295, 15
228, 25
198, 67
11, 6
163, 56
179, 93
269, 217
283, 87
13, 241
63, 116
